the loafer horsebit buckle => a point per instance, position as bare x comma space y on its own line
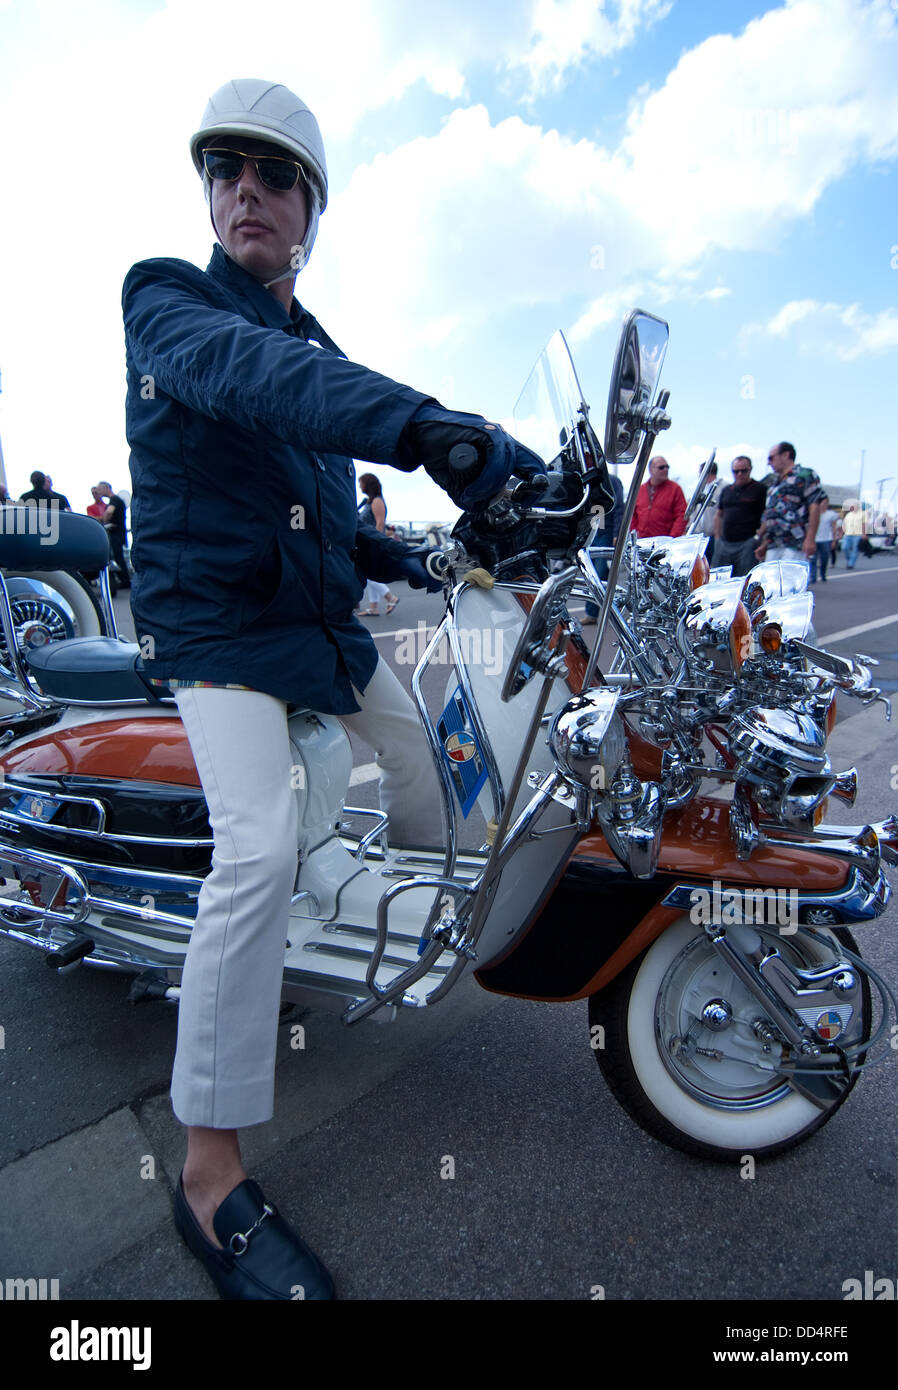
267, 1210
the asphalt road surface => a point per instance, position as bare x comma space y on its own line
552, 1192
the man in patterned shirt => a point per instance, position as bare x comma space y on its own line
789, 523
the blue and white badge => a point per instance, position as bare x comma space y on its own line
462, 752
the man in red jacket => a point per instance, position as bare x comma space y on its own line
660, 506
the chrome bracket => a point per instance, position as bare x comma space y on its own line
429, 952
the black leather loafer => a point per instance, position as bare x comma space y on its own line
261, 1257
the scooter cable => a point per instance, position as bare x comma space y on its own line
886, 998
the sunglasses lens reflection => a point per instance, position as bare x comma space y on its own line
226, 165
221, 165
278, 174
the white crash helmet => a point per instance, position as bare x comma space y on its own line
268, 111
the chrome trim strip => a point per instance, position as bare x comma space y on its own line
16, 784
113, 704
355, 929
28, 789
161, 880
857, 901
328, 948
107, 604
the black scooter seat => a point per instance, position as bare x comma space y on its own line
92, 668
38, 538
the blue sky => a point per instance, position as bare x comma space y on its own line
497, 172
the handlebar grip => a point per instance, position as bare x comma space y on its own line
533, 486
462, 456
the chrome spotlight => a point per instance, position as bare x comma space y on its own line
773, 579
782, 756
586, 741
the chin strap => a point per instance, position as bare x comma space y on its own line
289, 272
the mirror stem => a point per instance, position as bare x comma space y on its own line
617, 557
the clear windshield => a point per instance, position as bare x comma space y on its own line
547, 408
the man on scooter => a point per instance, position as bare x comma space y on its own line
243, 607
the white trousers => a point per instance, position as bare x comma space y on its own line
223, 1076
785, 552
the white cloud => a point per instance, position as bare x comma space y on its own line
437, 237
610, 308
747, 131
566, 33
789, 315
606, 309
844, 332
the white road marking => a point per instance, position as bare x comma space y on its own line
365, 772
855, 631
858, 574
404, 632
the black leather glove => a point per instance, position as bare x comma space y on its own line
476, 473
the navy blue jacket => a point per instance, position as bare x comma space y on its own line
246, 546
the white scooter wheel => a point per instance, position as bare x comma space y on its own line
77, 597
77, 594
726, 1100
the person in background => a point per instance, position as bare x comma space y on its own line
97, 507
825, 540
97, 510
709, 515
789, 524
39, 492
373, 512
838, 533
661, 505
740, 507
113, 519
48, 489
852, 531
4, 495
607, 536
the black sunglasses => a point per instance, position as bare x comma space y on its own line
737, 471
278, 174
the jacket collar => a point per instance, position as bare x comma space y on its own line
270, 310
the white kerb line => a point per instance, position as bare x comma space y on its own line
856, 631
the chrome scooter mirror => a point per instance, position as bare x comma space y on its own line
634, 376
